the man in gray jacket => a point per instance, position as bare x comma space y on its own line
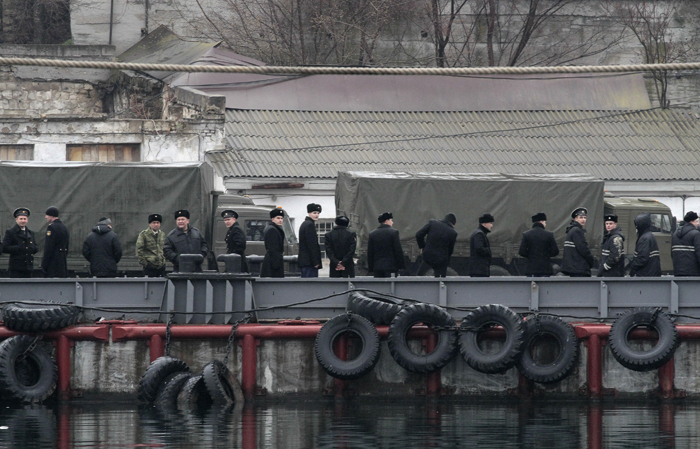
184, 239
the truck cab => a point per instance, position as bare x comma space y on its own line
663, 224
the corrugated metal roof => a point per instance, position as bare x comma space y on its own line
642, 145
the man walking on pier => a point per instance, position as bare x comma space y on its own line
309, 249
578, 260
480, 248
437, 248
685, 249
646, 260
384, 252
54, 264
149, 248
20, 244
538, 247
612, 260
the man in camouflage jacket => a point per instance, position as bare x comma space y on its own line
149, 248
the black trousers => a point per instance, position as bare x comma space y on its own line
440, 271
20, 274
154, 272
383, 274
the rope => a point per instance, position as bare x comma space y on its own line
449, 71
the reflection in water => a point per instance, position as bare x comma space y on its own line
357, 423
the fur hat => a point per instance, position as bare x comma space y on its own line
342, 220
155, 217
385, 216
539, 216
690, 216
486, 218
276, 213
182, 213
313, 207
611, 217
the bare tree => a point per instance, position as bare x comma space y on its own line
651, 22
35, 21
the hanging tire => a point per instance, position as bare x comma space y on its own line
359, 365
483, 318
536, 327
193, 394
29, 375
431, 316
155, 375
39, 316
169, 390
641, 360
377, 310
222, 386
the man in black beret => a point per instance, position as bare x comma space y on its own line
384, 252
184, 239
273, 262
149, 247
20, 244
685, 247
577, 260
341, 244
538, 246
612, 257
309, 249
235, 237
437, 243
54, 264
480, 249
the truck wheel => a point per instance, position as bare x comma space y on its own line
483, 319
450, 272
28, 375
40, 316
499, 271
193, 393
540, 332
155, 375
645, 318
378, 310
431, 316
222, 386
169, 390
355, 326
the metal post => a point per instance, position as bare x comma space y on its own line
156, 347
595, 426
594, 367
63, 362
666, 375
249, 363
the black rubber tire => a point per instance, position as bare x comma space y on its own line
155, 375
169, 390
565, 361
430, 315
193, 394
358, 366
222, 386
40, 316
482, 318
497, 270
29, 379
636, 360
378, 310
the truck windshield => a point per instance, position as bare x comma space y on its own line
660, 223
254, 230
289, 231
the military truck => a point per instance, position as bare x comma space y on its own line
126, 193
415, 198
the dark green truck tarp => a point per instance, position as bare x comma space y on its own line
511, 199
86, 191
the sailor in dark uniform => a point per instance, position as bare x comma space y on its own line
54, 264
340, 248
384, 252
577, 260
20, 244
480, 248
273, 263
235, 238
612, 260
538, 246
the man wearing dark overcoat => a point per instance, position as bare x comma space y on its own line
647, 260
577, 260
480, 248
341, 244
685, 247
184, 239
20, 244
235, 237
612, 256
437, 243
538, 246
54, 264
384, 252
309, 249
273, 262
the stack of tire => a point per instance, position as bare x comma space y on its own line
27, 370
517, 350
168, 383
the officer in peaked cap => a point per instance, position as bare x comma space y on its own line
577, 260
309, 248
235, 237
54, 264
184, 239
149, 247
538, 246
612, 257
273, 262
19, 242
384, 253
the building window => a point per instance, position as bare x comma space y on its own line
17, 152
324, 225
130, 152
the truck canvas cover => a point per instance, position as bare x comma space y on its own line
415, 198
84, 192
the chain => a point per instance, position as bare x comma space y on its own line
656, 313
348, 315
235, 325
167, 335
537, 322
30, 348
